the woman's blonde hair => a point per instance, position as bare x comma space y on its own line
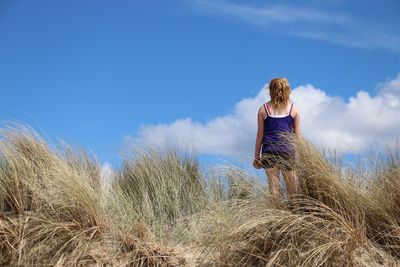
279, 90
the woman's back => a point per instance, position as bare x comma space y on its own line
276, 126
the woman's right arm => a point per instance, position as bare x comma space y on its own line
297, 130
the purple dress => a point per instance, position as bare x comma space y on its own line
274, 127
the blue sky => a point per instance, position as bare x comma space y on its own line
103, 72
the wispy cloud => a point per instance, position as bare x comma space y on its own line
310, 23
270, 14
330, 122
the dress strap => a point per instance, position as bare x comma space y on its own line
267, 109
291, 107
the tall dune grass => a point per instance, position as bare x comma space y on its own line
161, 187
54, 211
163, 209
332, 221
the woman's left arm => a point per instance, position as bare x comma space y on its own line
260, 132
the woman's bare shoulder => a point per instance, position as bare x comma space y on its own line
261, 110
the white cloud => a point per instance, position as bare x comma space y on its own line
106, 174
307, 22
272, 13
329, 122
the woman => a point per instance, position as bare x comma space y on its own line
277, 119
